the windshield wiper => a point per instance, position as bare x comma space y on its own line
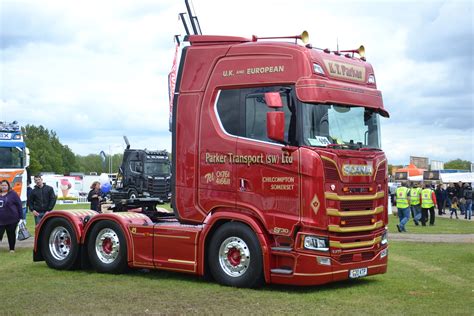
338, 146
369, 149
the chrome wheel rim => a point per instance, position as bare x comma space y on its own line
234, 256
60, 243
107, 245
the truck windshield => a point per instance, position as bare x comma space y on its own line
11, 157
340, 126
157, 167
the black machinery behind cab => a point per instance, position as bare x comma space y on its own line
143, 173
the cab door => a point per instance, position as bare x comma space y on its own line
267, 172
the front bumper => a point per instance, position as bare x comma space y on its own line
303, 267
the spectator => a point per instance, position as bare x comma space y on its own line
451, 190
42, 199
468, 198
11, 212
460, 195
415, 193
440, 197
428, 203
454, 208
403, 206
95, 196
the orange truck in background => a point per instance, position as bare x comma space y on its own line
14, 159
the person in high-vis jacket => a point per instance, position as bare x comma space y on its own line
415, 202
403, 206
428, 203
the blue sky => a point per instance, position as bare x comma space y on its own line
98, 70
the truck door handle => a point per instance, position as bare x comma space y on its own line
243, 184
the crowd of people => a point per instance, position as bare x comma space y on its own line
422, 202
40, 200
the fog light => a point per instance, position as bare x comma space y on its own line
383, 253
324, 261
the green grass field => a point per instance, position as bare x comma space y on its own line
442, 226
423, 279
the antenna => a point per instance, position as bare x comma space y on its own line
181, 15
126, 141
196, 19
193, 19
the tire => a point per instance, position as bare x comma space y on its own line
107, 248
235, 256
59, 244
132, 194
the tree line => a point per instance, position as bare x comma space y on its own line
47, 154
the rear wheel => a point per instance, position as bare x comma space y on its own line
132, 194
235, 256
107, 247
59, 246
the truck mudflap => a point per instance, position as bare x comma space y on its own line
77, 219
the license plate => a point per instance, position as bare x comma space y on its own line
357, 273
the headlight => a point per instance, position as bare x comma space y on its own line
384, 240
316, 243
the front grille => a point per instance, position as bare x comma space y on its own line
367, 255
348, 258
357, 221
347, 206
160, 187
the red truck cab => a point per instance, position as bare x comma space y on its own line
278, 172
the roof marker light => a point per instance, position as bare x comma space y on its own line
318, 69
371, 79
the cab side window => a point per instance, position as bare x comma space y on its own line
243, 112
228, 109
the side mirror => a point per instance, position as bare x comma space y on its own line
276, 125
273, 99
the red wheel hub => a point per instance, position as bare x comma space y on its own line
107, 246
234, 257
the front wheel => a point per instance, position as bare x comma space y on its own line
132, 194
235, 256
59, 246
107, 247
